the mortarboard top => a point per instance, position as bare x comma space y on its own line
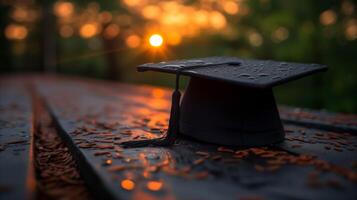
250, 73
228, 101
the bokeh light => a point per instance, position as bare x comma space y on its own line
243, 28
20, 14
230, 7
218, 21
88, 30
132, 2
151, 12
328, 17
16, 32
280, 34
66, 31
105, 17
133, 41
63, 9
255, 39
351, 30
111, 31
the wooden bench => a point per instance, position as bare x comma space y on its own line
316, 161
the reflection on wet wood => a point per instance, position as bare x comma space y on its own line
16, 172
96, 118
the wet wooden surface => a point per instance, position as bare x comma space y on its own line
16, 164
320, 119
94, 117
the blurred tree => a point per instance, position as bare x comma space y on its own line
107, 39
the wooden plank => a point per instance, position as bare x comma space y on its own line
16, 164
95, 118
334, 147
319, 119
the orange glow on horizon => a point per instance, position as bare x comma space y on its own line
173, 38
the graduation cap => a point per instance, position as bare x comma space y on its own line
228, 100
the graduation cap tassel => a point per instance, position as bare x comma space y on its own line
174, 123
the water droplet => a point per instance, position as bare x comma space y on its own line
244, 74
263, 74
194, 61
172, 67
233, 62
191, 71
282, 69
146, 64
209, 63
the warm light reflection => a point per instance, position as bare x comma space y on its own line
158, 93
133, 41
16, 32
127, 184
156, 40
154, 185
108, 162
